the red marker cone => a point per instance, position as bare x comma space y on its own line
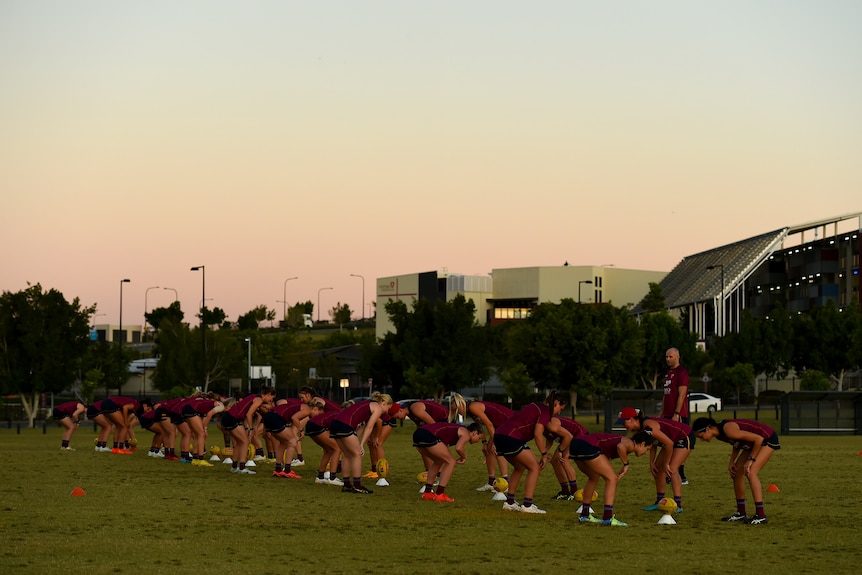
773, 488
77, 492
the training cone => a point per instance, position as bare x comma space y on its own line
227, 460
860, 453
773, 488
581, 509
382, 482
215, 458
250, 463
77, 492
666, 520
499, 496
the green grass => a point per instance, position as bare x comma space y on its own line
143, 515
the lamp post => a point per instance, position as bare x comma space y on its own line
176, 297
580, 283
120, 383
720, 315
284, 301
318, 302
146, 308
203, 271
248, 341
345, 383
362, 307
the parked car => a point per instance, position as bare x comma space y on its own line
699, 403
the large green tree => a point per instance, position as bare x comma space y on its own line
42, 340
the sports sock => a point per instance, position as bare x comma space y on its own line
740, 506
609, 512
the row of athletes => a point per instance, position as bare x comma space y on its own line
504, 435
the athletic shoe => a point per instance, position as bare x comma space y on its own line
499, 496
614, 522
678, 511
321, 481
269, 460
172, 457
653, 507
486, 487
429, 496
685, 481
259, 458
122, 451
735, 517
151, 454
336, 481
291, 475
67, 449
158, 454
511, 506
279, 474
201, 463
247, 471
443, 498
297, 463
347, 488
234, 469
362, 489
184, 460
561, 496
588, 519
370, 475
756, 520
532, 509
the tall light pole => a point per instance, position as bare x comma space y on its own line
203, 271
363, 294
176, 297
284, 300
248, 341
720, 312
146, 308
318, 302
580, 283
120, 383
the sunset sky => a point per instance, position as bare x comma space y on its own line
273, 139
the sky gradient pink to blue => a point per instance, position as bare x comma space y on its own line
273, 139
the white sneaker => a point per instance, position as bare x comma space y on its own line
234, 469
258, 458
532, 509
321, 481
67, 449
248, 471
297, 463
511, 507
499, 496
336, 481
486, 487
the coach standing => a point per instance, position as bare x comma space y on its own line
675, 404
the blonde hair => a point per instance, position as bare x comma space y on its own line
457, 406
381, 397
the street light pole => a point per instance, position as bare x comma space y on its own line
120, 383
248, 341
363, 294
284, 300
580, 283
146, 308
203, 271
720, 314
318, 302
176, 297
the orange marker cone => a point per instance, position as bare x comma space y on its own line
77, 492
773, 488
860, 453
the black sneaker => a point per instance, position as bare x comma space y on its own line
735, 517
756, 520
684, 480
347, 488
562, 496
362, 489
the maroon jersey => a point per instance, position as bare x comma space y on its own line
173, 405
120, 401
673, 380
523, 424
67, 408
200, 405
444, 431
324, 419
606, 443
437, 412
495, 412
570, 425
356, 414
675, 430
288, 410
330, 405
241, 407
754, 427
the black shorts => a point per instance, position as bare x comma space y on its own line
162, 414
229, 422
189, 412
147, 423
92, 412
58, 415
312, 429
274, 423
580, 450
109, 406
508, 446
424, 438
340, 430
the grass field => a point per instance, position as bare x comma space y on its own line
145, 515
